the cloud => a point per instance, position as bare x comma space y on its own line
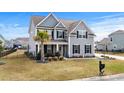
11, 31
106, 25
16, 25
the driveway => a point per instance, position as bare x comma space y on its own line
113, 56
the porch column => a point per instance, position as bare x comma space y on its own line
55, 35
57, 47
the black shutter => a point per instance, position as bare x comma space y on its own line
57, 34
85, 48
63, 34
77, 34
90, 48
52, 48
73, 49
45, 49
36, 49
79, 49
86, 34
52, 34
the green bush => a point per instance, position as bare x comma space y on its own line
49, 55
49, 58
38, 56
57, 54
55, 58
61, 58
1, 48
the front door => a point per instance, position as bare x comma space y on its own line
65, 52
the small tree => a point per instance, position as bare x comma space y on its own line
42, 36
1, 48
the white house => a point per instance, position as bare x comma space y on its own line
114, 42
72, 38
103, 45
117, 40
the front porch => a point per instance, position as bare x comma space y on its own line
52, 48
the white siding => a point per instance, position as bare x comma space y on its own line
49, 22
118, 41
73, 40
32, 33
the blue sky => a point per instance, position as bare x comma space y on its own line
16, 24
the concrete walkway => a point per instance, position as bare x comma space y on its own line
113, 56
117, 77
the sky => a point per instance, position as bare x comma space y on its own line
16, 24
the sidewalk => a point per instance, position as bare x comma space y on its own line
113, 56
117, 77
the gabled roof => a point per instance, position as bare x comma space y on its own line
117, 32
69, 24
104, 41
37, 19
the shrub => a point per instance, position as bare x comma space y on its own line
49, 55
26, 53
80, 56
38, 56
30, 55
57, 54
49, 58
55, 58
61, 58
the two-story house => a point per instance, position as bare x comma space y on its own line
72, 38
116, 39
114, 42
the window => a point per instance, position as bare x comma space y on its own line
87, 48
111, 38
60, 34
49, 49
76, 49
82, 34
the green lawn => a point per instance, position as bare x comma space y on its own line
21, 68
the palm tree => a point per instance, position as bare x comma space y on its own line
42, 36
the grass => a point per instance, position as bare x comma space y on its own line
112, 53
21, 68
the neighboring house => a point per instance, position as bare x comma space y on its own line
114, 42
9, 44
72, 38
117, 40
3, 40
22, 42
103, 45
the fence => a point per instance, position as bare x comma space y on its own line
4, 53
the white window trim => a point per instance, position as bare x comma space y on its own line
76, 49
89, 49
62, 34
